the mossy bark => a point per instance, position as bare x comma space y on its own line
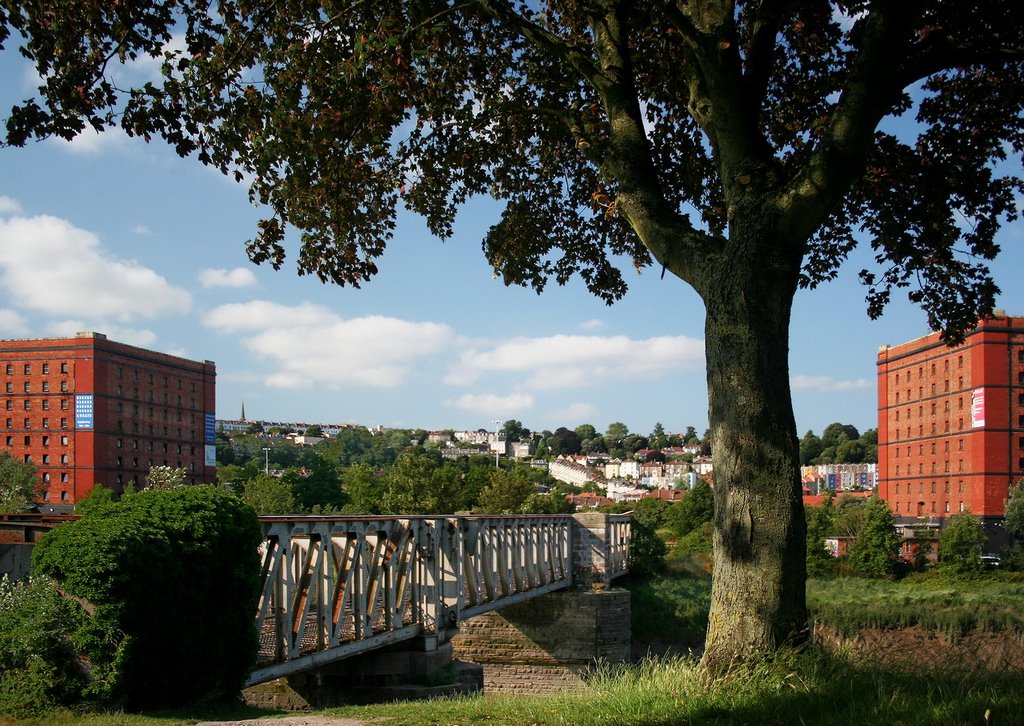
758, 600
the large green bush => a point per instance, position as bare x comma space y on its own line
960, 542
172, 576
875, 551
38, 668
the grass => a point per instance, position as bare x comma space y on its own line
809, 687
948, 605
793, 688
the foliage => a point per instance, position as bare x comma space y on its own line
646, 549
740, 147
269, 494
1014, 512
38, 667
506, 494
97, 498
418, 484
692, 511
960, 542
819, 526
513, 430
669, 608
811, 447
551, 503
165, 477
849, 517
317, 487
20, 485
173, 577
874, 553
563, 442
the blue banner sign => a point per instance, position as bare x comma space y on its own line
83, 411
211, 427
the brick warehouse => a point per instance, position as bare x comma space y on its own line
87, 410
951, 423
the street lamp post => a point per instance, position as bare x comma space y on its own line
497, 423
266, 459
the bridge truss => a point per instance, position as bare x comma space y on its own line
333, 587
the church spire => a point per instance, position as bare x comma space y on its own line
243, 412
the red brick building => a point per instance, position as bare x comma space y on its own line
87, 410
951, 422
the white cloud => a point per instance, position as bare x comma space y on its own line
12, 325
310, 345
9, 206
50, 266
141, 229
828, 385
238, 277
569, 361
578, 412
593, 324
90, 141
132, 336
489, 404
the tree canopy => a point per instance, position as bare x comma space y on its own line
20, 484
740, 146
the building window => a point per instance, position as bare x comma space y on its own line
897, 474
64, 478
63, 404
63, 458
28, 387
64, 386
10, 369
960, 362
10, 387
46, 404
63, 439
63, 423
10, 404
118, 443
27, 423
962, 507
46, 476
63, 367
46, 423
46, 458
10, 441
28, 369
10, 423
897, 486
46, 368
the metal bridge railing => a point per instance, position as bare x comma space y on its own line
333, 587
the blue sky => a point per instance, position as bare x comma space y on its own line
117, 236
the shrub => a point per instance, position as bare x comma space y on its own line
960, 543
38, 667
173, 577
874, 552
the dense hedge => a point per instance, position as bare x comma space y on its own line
173, 578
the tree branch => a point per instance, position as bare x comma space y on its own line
547, 41
873, 88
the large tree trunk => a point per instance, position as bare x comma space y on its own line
758, 598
